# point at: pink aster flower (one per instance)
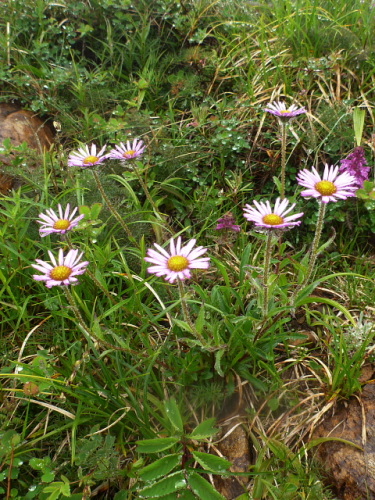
(355, 164)
(177, 263)
(279, 109)
(85, 157)
(63, 271)
(61, 223)
(128, 151)
(332, 186)
(265, 217)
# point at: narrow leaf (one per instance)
(204, 430)
(211, 463)
(155, 445)
(358, 123)
(160, 467)
(174, 415)
(168, 485)
(203, 488)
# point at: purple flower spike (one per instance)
(227, 222)
(355, 164)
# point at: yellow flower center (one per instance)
(90, 159)
(177, 263)
(60, 273)
(325, 188)
(285, 111)
(273, 219)
(61, 224)
(129, 153)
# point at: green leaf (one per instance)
(85, 210)
(160, 467)
(95, 210)
(358, 123)
(40, 463)
(204, 430)
(182, 495)
(155, 445)
(211, 463)
(218, 355)
(174, 415)
(168, 485)
(121, 495)
(200, 321)
(48, 476)
(203, 488)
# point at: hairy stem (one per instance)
(186, 312)
(283, 127)
(314, 246)
(112, 208)
(266, 273)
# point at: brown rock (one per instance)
(20, 125)
(235, 446)
(351, 469)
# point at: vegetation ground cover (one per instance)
(113, 388)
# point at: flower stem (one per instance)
(283, 127)
(112, 208)
(149, 197)
(314, 247)
(77, 313)
(186, 312)
(267, 260)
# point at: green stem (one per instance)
(77, 312)
(314, 247)
(111, 207)
(266, 273)
(283, 127)
(149, 197)
(186, 313)
(92, 275)
(145, 189)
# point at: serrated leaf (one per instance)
(173, 413)
(203, 488)
(155, 445)
(160, 467)
(204, 430)
(166, 486)
(211, 463)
